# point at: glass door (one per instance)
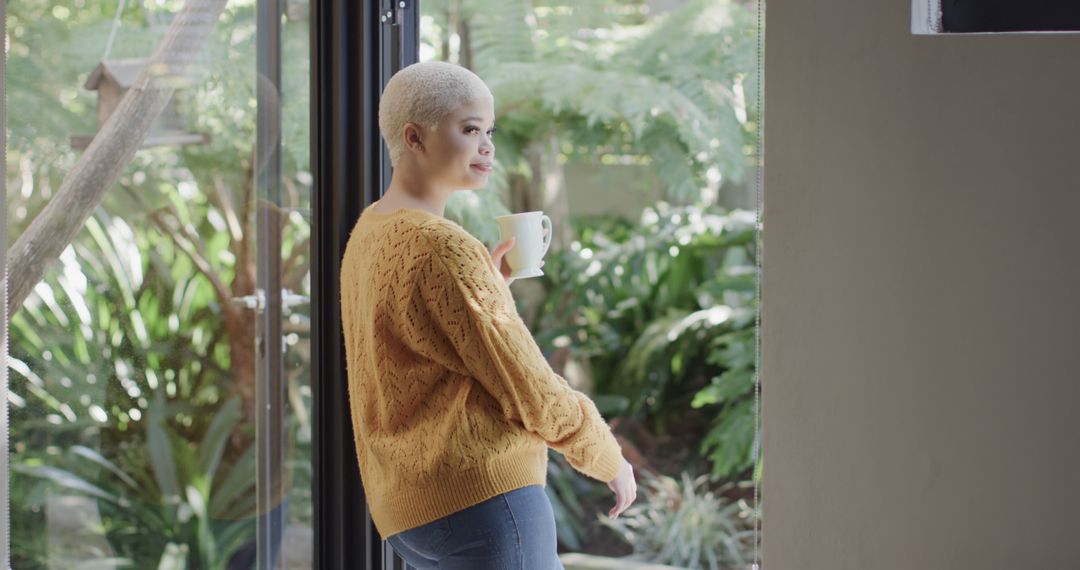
(158, 213)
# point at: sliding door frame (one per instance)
(355, 48)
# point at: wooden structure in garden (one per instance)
(111, 79)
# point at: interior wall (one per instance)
(921, 372)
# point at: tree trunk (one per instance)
(240, 322)
(466, 52)
(547, 188)
(111, 150)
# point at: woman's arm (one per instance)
(472, 305)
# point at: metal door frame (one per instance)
(355, 48)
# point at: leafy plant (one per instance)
(134, 310)
(680, 523)
(663, 313)
(101, 383)
(565, 489)
(165, 498)
(107, 329)
(667, 90)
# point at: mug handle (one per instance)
(545, 221)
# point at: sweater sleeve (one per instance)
(463, 292)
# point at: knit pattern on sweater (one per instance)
(452, 400)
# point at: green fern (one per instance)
(663, 310)
(608, 82)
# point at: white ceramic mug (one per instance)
(533, 233)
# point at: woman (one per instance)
(453, 404)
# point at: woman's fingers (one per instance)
(620, 506)
(500, 250)
(623, 498)
(625, 488)
(503, 247)
(498, 256)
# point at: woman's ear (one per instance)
(412, 137)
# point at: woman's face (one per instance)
(459, 152)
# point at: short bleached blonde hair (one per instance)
(424, 93)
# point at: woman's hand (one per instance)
(625, 488)
(498, 255)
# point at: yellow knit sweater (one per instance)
(452, 401)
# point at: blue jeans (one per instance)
(511, 531)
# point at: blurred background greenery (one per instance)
(630, 122)
(132, 362)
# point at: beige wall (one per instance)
(595, 189)
(921, 371)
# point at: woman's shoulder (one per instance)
(460, 253)
(447, 236)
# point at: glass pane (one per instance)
(632, 124)
(151, 157)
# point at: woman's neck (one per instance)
(405, 192)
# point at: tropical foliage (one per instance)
(680, 522)
(125, 371)
(659, 309)
(604, 83)
(663, 313)
(167, 505)
(127, 357)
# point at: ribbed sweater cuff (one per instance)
(607, 464)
